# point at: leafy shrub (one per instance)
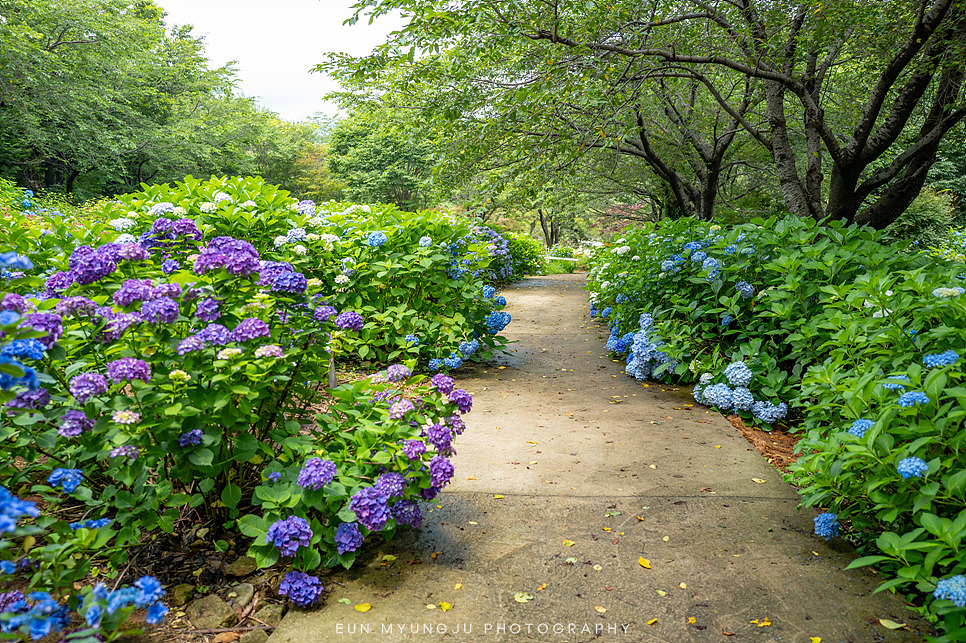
(174, 371)
(862, 342)
(528, 255)
(926, 221)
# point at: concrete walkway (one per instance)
(569, 473)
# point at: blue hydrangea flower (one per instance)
(149, 590)
(726, 320)
(317, 473)
(912, 467)
(699, 256)
(435, 364)
(952, 589)
(376, 239)
(698, 393)
(743, 399)
(452, 362)
(911, 398)
(827, 525)
(301, 588)
(738, 374)
(768, 412)
(156, 613)
(937, 360)
(425, 242)
(604, 313)
(289, 534)
(67, 479)
(719, 395)
(745, 289)
(896, 387)
(488, 292)
(412, 340)
(860, 426)
(499, 301)
(470, 347)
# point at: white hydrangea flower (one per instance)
(248, 204)
(636, 258)
(121, 224)
(179, 211)
(300, 250)
(207, 207)
(312, 237)
(280, 240)
(221, 196)
(341, 279)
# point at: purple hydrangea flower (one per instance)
(91, 266)
(128, 368)
(87, 385)
(236, 256)
(75, 306)
(51, 323)
(133, 290)
(317, 473)
(397, 372)
(289, 534)
(249, 329)
(440, 436)
(455, 422)
(36, 399)
(301, 588)
(161, 225)
(270, 350)
(126, 451)
(348, 537)
(293, 282)
(349, 320)
(160, 311)
(214, 334)
(275, 476)
(324, 313)
(413, 449)
(391, 483)
(406, 512)
(169, 266)
(73, 423)
(440, 470)
(133, 252)
(190, 345)
(398, 409)
(462, 400)
(370, 506)
(58, 283)
(429, 493)
(117, 325)
(14, 303)
(208, 309)
(443, 383)
(186, 228)
(269, 270)
(172, 290)
(192, 438)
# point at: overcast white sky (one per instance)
(276, 43)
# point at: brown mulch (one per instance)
(777, 446)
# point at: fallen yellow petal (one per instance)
(498, 496)
(652, 621)
(430, 606)
(388, 558)
(691, 620)
(363, 607)
(542, 587)
(758, 480)
(600, 609)
(568, 543)
(643, 562)
(661, 592)
(458, 586)
(683, 586)
(445, 607)
(815, 639)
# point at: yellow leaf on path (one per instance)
(758, 480)
(530, 442)
(652, 621)
(661, 592)
(435, 555)
(683, 586)
(815, 639)
(600, 609)
(471, 477)
(717, 446)
(473, 522)
(666, 538)
(597, 568)
(643, 562)
(653, 466)
(532, 462)
(458, 586)
(363, 607)
(892, 625)
(498, 496)
(522, 597)
(607, 529)
(388, 558)
(691, 620)
(542, 587)
(762, 623)
(568, 543)
(445, 607)
(430, 606)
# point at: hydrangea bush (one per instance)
(409, 274)
(858, 343)
(173, 370)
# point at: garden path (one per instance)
(565, 457)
